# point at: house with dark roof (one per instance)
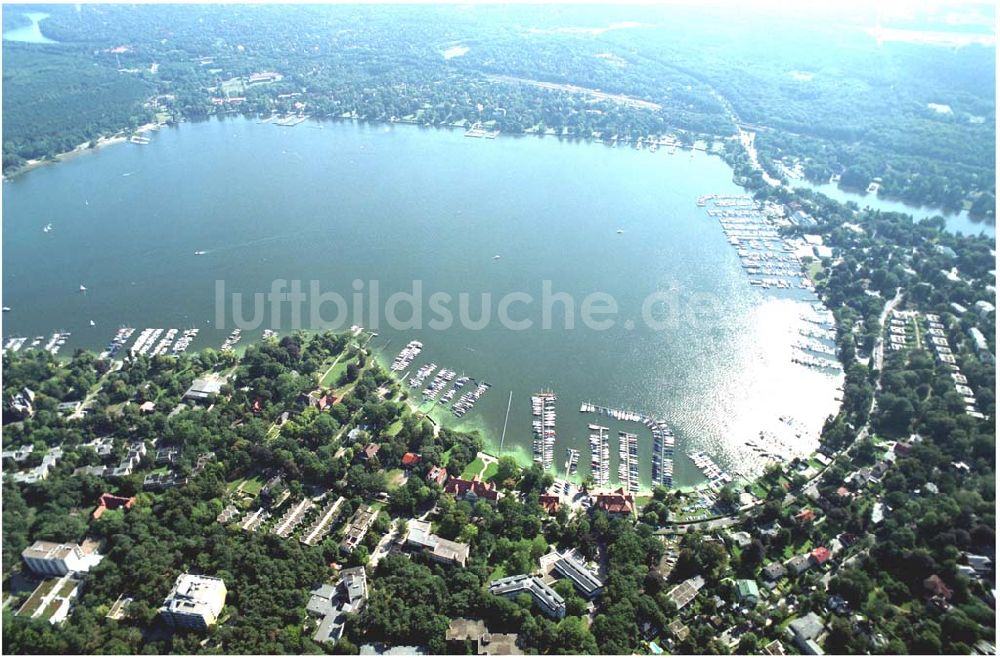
(616, 503)
(549, 503)
(774, 571)
(585, 580)
(472, 490)
(543, 596)
(798, 565)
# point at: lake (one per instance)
(344, 202)
(959, 222)
(29, 33)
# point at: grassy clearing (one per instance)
(491, 470)
(473, 469)
(394, 479)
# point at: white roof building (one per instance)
(194, 602)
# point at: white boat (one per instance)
(92, 323)
(6, 309)
(200, 253)
(83, 288)
(620, 231)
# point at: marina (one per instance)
(600, 455)
(572, 461)
(751, 228)
(466, 402)
(231, 341)
(662, 466)
(543, 428)
(437, 385)
(417, 380)
(455, 388)
(406, 356)
(716, 476)
(628, 461)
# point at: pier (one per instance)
(543, 427)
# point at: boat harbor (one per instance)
(769, 260)
(53, 345)
(572, 461)
(231, 341)
(662, 466)
(600, 455)
(628, 461)
(406, 356)
(543, 428)
(470, 389)
(716, 476)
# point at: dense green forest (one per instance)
(825, 94)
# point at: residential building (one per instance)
(437, 548)
(616, 503)
(804, 631)
(108, 501)
(820, 555)
(774, 571)
(549, 503)
(334, 602)
(473, 631)
(472, 490)
(194, 602)
(358, 527)
(543, 596)
(48, 558)
(437, 474)
(798, 565)
(748, 592)
(684, 593)
(51, 600)
(585, 580)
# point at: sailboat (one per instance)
(83, 288)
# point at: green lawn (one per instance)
(253, 485)
(491, 470)
(393, 478)
(335, 372)
(473, 469)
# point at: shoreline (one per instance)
(120, 137)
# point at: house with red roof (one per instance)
(549, 503)
(473, 489)
(437, 474)
(806, 516)
(936, 588)
(820, 555)
(616, 503)
(411, 459)
(109, 501)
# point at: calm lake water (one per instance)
(956, 222)
(339, 202)
(29, 33)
